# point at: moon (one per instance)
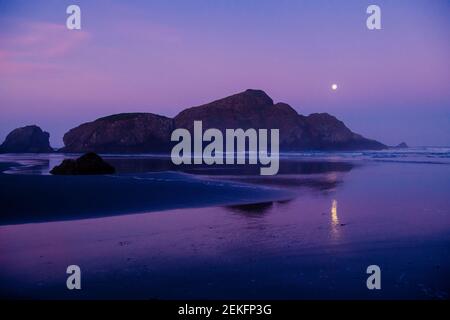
(334, 87)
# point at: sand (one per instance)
(38, 198)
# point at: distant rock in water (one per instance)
(146, 132)
(29, 139)
(90, 163)
(402, 145)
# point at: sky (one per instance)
(164, 56)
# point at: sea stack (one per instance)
(29, 139)
(121, 133)
(88, 164)
(402, 145)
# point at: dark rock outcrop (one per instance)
(90, 163)
(255, 109)
(121, 133)
(328, 133)
(146, 132)
(402, 145)
(29, 139)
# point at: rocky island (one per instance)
(29, 139)
(88, 164)
(149, 133)
(402, 145)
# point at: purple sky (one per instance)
(164, 56)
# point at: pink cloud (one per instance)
(34, 46)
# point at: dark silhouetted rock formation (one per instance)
(402, 145)
(255, 109)
(29, 139)
(90, 163)
(145, 132)
(121, 133)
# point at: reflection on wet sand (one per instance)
(334, 220)
(316, 175)
(318, 178)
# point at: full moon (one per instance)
(334, 87)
